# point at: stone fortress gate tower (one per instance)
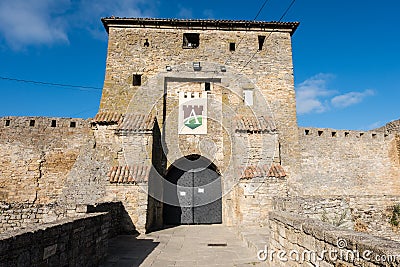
(197, 125)
(200, 118)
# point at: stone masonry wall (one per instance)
(332, 210)
(69, 242)
(338, 162)
(390, 127)
(86, 182)
(15, 216)
(372, 214)
(248, 201)
(126, 149)
(301, 241)
(368, 214)
(134, 199)
(36, 154)
(21, 215)
(255, 149)
(254, 199)
(398, 145)
(270, 71)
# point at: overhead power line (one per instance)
(79, 87)
(86, 88)
(287, 10)
(259, 11)
(281, 18)
(241, 39)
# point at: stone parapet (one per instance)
(298, 241)
(69, 242)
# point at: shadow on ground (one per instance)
(185, 245)
(128, 250)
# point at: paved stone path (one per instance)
(186, 245)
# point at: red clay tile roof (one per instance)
(253, 124)
(107, 118)
(129, 174)
(275, 170)
(136, 123)
(127, 122)
(202, 24)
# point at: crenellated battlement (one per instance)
(346, 162)
(164, 79)
(344, 134)
(38, 152)
(42, 123)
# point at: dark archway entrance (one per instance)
(192, 194)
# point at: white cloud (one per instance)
(351, 98)
(313, 95)
(45, 22)
(88, 13)
(310, 94)
(32, 22)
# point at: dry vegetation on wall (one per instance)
(395, 218)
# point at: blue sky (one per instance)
(346, 54)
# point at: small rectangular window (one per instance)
(320, 133)
(53, 123)
(72, 124)
(32, 123)
(207, 86)
(248, 97)
(333, 134)
(232, 46)
(307, 132)
(346, 134)
(8, 122)
(137, 80)
(191, 40)
(261, 40)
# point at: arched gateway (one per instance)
(193, 192)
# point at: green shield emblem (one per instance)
(193, 122)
